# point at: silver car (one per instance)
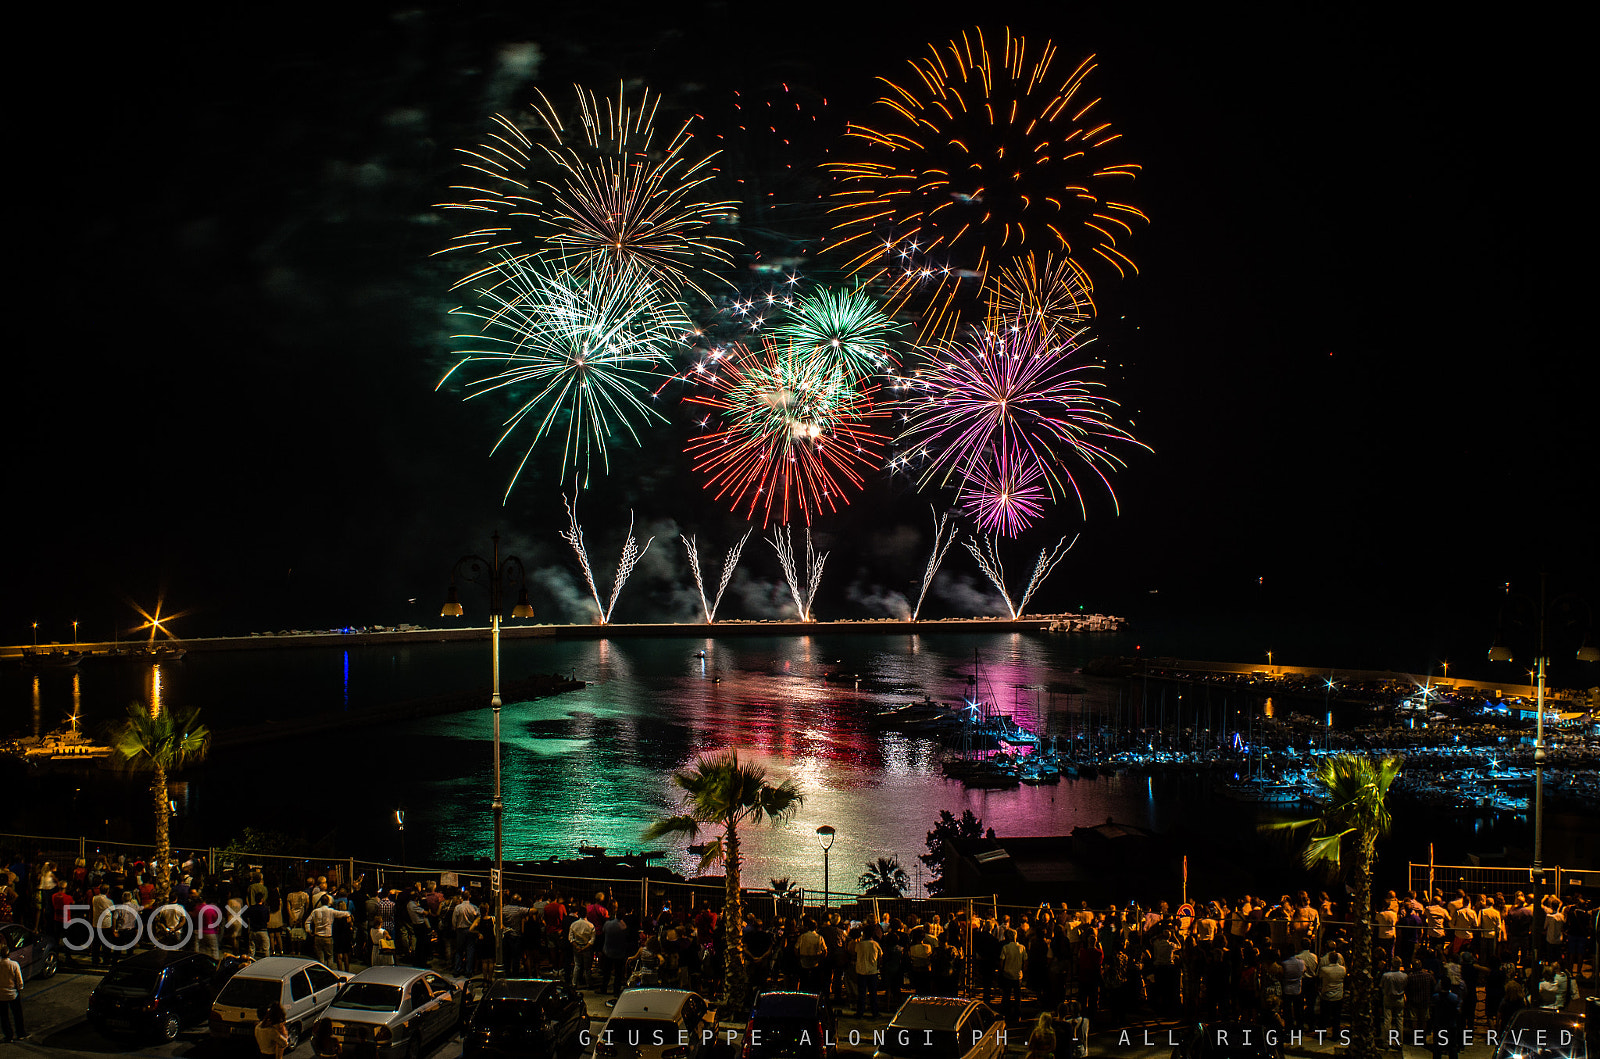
(657, 1024)
(391, 1011)
(305, 988)
(35, 953)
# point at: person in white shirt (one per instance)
(1332, 975)
(319, 924)
(462, 917)
(100, 920)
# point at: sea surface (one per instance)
(593, 767)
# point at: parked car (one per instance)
(790, 1026)
(305, 988)
(528, 1018)
(391, 1011)
(157, 993)
(1228, 1040)
(656, 1024)
(34, 952)
(933, 1027)
(1545, 1034)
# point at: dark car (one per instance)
(1229, 1040)
(790, 1026)
(157, 993)
(34, 952)
(1538, 1033)
(530, 1018)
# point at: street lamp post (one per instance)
(36, 634)
(493, 574)
(825, 835)
(1500, 653)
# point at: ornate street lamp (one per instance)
(825, 835)
(494, 574)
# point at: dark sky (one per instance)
(1349, 344)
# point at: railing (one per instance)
(1479, 879)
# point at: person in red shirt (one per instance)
(147, 894)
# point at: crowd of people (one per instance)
(1474, 959)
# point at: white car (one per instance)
(304, 987)
(938, 1027)
(657, 1024)
(391, 1011)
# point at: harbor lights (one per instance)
(825, 835)
(1516, 614)
(495, 574)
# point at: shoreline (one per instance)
(102, 651)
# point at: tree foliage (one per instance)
(1355, 807)
(161, 741)
(947, 828)
(721, 793)
(884, 877)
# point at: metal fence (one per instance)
(1480, 879)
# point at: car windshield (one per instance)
(368, 996)
(131, 981)
(503, 1011)
(922, 1044)
(251, 993)
(777, 1037)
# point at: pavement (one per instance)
(54, 1009)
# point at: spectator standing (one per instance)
(11, 1023)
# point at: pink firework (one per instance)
(1004, 499)
(1013, 397)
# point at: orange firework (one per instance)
(972, 164)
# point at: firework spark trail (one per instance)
(625, 198)
(588, 350)
(1055, 293)
(840, 330)
(1004, 496)
(941, 544)
(573, 535)
(783, 544)
(987, 551)
(973, 161)
(792, 441)
(1041, 569)
(1010, 397)
(728, 565)
(631, 554)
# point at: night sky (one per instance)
(1348, 346)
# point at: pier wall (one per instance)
(271, 641)
(1499, 689)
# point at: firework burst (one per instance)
(975, 160)
(580, 353)
(1055, 293)
(608, 195)
(840, 330)
(792, 441)
(1004, 497)
(989, 408)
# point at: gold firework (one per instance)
(973, 163)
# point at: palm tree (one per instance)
(161, 741)
(721, 793)
(884, 877)
(1357, 790)
(787, 894)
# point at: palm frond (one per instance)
(679, 826)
